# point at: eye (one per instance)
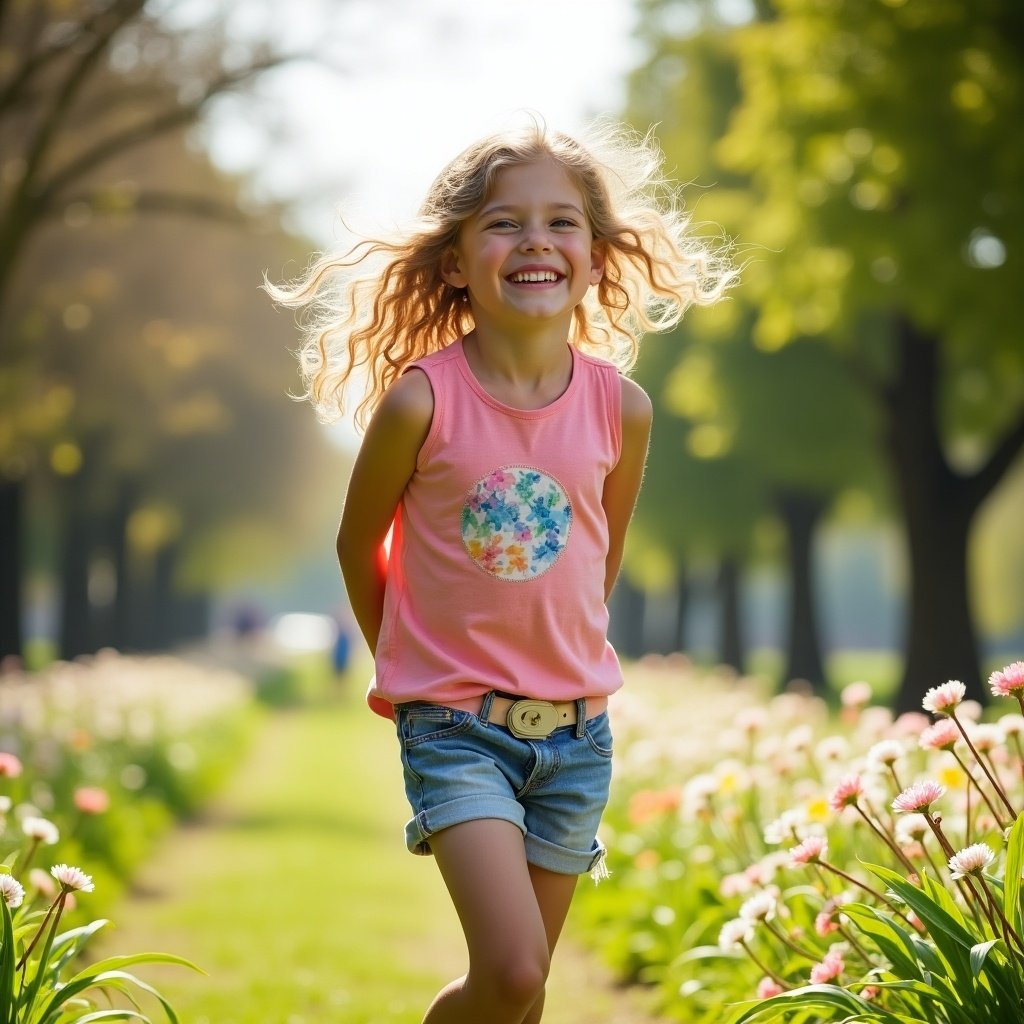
(564, 222)
(503, 224)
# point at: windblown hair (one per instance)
(371, 311)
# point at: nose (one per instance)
(536, 239)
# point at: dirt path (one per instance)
(296, 882)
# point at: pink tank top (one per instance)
(497, 563)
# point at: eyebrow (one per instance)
(488, 211)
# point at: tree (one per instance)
(790, 429)
(66, 116)
(882, 142)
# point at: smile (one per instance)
(534, 277)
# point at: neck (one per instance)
(527, 373)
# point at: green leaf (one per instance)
(820, 997)
(978, 955)
(892, 941)
(7, 965)
(120, 980)
(115, 963)
(1012, 875)
(113, 1015)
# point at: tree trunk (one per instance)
(682, 608)
(12, 494)
(731, 646)
(121, 626)
(800, 514)
(938, 506)
(630, 605)
(76, 626)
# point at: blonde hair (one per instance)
(383, 304)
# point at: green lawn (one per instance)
(296, 895)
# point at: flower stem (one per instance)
(786, 940)
(884, 836)
(984, 768)
(764, 967)
(978, 787)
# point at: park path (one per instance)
(295, 893)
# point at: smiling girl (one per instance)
(504, 455)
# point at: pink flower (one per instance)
(10, 766)
(824, 924)
(1009, 682)
(918, 797)
(943, 735)
(971, 860)
(847, 792)
(810, 851)
(735, 933)
(11, 891)
(768, 987)
(91, 799)
(943, 700)
(72, 879)
(855, 695)
(830, 968)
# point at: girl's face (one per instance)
(528, 255)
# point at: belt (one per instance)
(532, 719)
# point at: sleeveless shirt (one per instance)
(496, 568)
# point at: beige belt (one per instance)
(532, 719)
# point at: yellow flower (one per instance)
(817, 809)
(952, 777)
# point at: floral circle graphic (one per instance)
(515, 522)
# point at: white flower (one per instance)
(41, 830)
(734, 933)
(786, 826)
(885, 753)
(72, 878)
(760, 907)
(11, 891)
(971, 860)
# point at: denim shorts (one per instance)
(459, 767)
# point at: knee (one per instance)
(519, 981)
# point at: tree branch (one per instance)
(166, 121)
(984, 481)
(179, 204)
(38, 60)
(66, 94)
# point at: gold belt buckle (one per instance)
(532, 719)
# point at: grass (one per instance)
(296, 895)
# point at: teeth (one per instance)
(534, 275)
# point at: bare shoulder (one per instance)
(410, 399)
(636, 404)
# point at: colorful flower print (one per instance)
(515, 522)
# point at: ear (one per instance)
(450, 270)
(597, 262)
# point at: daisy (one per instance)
(1008, 682)
(918, 797)
(944, 699)
(72, 879)
(971, 860)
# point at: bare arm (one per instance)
(386, 461)
(622, 484)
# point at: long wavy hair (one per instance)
(369, 312)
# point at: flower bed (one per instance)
(773, 862)
(112, 750)
(96, 759)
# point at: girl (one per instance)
(504, 455)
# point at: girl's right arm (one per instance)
(386, 461)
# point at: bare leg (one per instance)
(483, 864)
(554, 894)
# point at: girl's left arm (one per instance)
(622, 485)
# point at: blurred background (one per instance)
(835, 476)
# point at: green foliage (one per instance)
(716, 882)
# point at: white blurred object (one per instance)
(303, 631)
